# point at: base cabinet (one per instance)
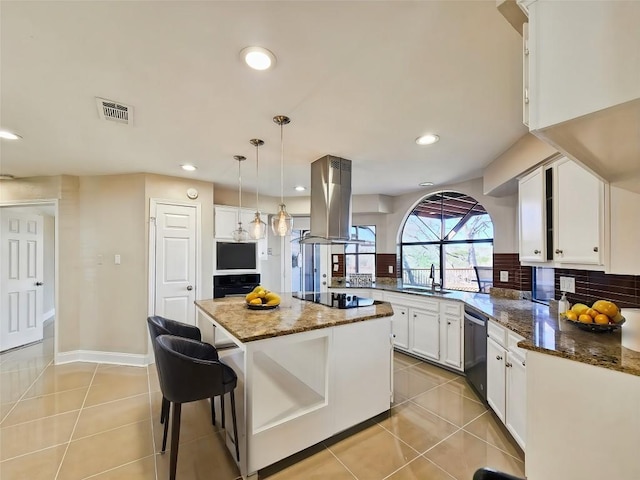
(507, 380)
(428, 328)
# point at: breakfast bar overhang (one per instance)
(305, 373)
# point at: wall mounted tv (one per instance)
(235, 256)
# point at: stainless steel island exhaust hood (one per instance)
(330, 201)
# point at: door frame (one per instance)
(48, 202)
(153, 204)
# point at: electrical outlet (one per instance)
(504, 275)
(390, 268)
(568, 284)
(116, 259)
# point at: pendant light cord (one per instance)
(281, 164)
(257, 176)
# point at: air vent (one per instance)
(114, 111)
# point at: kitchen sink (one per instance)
(426, 290)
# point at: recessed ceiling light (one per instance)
(7, 135)
(427, 139)
(258, 58)
(426, 184)
(300, 188)
(188, 167)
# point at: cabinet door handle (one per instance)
(508, 364)
(498, 357)
(595, 249)
(526, 95)
(448, 323)
(558, 251)
(536, 252)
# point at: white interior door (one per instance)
(175, 260)
(22, 266)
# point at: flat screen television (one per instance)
(235, 256)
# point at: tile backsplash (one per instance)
(624, 290)
(520, 277)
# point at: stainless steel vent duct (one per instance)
(330, 201)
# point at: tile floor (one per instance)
(82, 420)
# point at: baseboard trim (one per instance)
(46, 316)
(92, 356)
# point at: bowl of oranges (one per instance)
(602, 316)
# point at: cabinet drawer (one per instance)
(498, 333)
(512, 344)
(452, 308)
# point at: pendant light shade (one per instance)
(240, 234)
(282, 223)
(257, 228)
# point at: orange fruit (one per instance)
(573, 316)
(591, 312)
(610, 309)
(585, 318)
(601, 318)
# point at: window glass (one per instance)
(454, 233)
(360, 257)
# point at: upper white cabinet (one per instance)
(561, 209)
(579, 207)
(226, 220)
(582, 57)
(532, 217)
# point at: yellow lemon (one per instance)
(250, 296)
(573, 316)
(256, 301)
(579, 308)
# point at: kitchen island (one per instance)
(305, 373)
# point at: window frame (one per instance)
(356, 255)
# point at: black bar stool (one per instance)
(490, 474)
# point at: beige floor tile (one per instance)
(198, 459)
(462, 454)
(416, 426)
(449, 405)
(143, 469)
(15, 383)
(488, 428)
(421, 469)
(111, 415)
(58, 378)
(42, 465)
(110, 373)
(154, 384)
(437, 374)
(195, 420)
(400, 360)
(45, 406)
(409, 383)
(111, 385)
(104, 451)
(36, 435)
(5, 408)
(461, 387)
(37, 363)
(373, 453)
(320, 466)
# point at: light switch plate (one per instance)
(504, 275)
(568, 284)
(390, 268)
(116, 259)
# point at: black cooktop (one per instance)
(336, 300)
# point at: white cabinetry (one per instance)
(579, 207)
(561, 215)
(507, 380)
(225, 221)
(428, 328)
(583, 57)
(531, 210)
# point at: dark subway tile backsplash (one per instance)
(519, 276)
(624, 290)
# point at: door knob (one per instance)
(39, 284)
(189, 287)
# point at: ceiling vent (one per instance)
(114, 111)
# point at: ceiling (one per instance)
(359, 80)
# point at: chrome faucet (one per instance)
(432, 274)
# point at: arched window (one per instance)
(454, 233)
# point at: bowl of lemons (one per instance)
(262, 299)
(602, 316)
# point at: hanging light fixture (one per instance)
(257, 228)
(240, 234)
(282, 223)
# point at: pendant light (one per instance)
(257, 228)
(282, 223)
(240, 234)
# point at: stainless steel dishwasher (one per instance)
(475, 350)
